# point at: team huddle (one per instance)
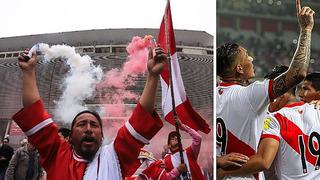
(263, 130)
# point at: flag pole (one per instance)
(185, 175)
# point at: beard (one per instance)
(89, 153)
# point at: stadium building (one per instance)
(108, 48)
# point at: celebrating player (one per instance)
(240, 107)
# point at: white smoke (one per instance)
(79, 84)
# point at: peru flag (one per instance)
(185, 112)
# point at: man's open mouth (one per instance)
(88, 140)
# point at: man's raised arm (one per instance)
(299, 65)
(30, 92)
(143, 123)
(156, 63)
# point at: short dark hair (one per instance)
(65, 132)
(314, 78)
(94, 113)
(277, 71)
(226, 55)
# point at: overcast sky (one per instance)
(25, 17)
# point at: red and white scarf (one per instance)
(105, 165)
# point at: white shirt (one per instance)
(292, 127)
(241, 109)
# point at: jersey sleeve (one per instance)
(37, 124)
(271, 128)
(259, 94)
(196, 140)
(131, 137)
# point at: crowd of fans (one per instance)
(23, 163)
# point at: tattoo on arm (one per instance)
(298, 67)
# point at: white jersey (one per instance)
(297, 129)
(240, 113)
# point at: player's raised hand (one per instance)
(305, 16)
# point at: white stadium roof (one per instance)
(101, 37)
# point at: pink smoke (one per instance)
(113, 90)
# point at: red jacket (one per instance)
(58, 157)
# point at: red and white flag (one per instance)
(185, 112)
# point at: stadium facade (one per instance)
(107, 48)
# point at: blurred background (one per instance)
(268, 29)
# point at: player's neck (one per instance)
(236, 81)
(292, 101)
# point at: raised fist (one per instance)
(157, 61)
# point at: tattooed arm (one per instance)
(299, 65)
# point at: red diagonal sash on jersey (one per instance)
(185, 112)
(290, 132)
(237, 145)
